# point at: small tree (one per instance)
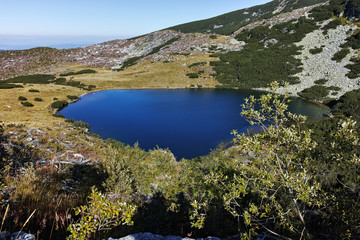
(100, 214)
(273, 189)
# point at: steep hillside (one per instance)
(230, 22)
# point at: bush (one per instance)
(59, 104)
(72, 97)
(353, 41)
(321, 81)
(321, 13)
(9, 86)
(348, 104)
(38, 99)
(213, 36)
(33, 90)
(81, 124)
(340, 55)
(314, 93)
(69, 120)
(316, 50)
(21, 98)
(58, 115)
(331, 25)
(197, 64)
(334, 88)
(35, 79)
(60, 81)
(354, 68)
(192, 75)
(27, 104)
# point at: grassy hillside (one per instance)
(228, 23)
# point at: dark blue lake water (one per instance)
(189, 122)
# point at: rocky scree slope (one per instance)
(321, 65)
(112, 53)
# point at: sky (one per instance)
(62, 23)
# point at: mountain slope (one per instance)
(228, 23)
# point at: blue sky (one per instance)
(62, 22)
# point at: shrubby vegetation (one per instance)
(72, 97)
(35, 79)
(192, 75)
(27, 104)
(33, 90)
(316, 50)
(59, 104)
(46, 79)
(9, 86)
(232, 21)
(291, 180)
(84, 71)
(354, 68)
(21, 98)
(340, 55)
(321, 81)
(257, 65)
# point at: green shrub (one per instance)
(59, 104)
(72, 97)
(85, 71)
(321, 13)
(58, 115)
(35, 79)
(321, 81)
(21, 98)
(60, 81)
(314, 93)
(27, 104)
(316, 50)
(197, 64)
(69, 120)
(354, 68)
(9, 86)
(353, 41)
(348, 104)
(33, 90)
(334, 88)
(192, 75)
(340, 55)
(213, 36)
(81, 124)
(38, 99)
(331, 25)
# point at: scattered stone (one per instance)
(150, 236)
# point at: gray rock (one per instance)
(22, 236)
(4, 235)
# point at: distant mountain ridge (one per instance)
(227, 23)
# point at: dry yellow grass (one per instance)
(150, 75)
(40, 115)
(143, 75)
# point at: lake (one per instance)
(190, 122)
